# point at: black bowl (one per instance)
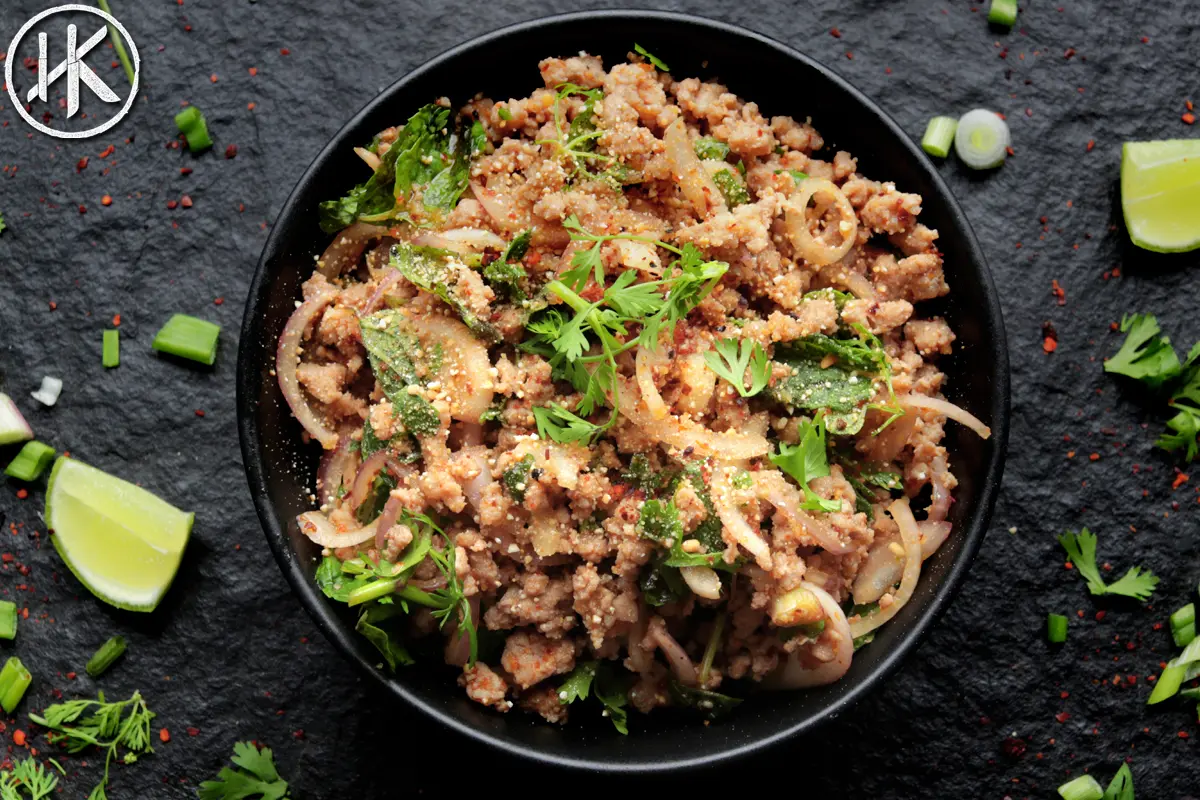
(504, 64)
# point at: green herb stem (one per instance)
(106, 656)
(710, 651)
(118, 44)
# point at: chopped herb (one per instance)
(377, 497)
(711, 705)
(255, 778)
(516, 478)
(188, 337)
(1081, 549)
(8, 620)
(370, 444)
(504, 114)
(660, 522)
(506, 273)
(449, 184)
(392, 350)
(645, 54)
(192, 125)
(1145, 355)
(30, 462)
(864, 640)
(1186, 399)
(109, 726)
(576, 142)
(807, 461)
(593, 678)
(432, 272)
(662, 584)
(384, 640)
(1183, 625)
(731, 359)
(732, 189)
(578, 684)
(1121, 787)
(708, 148)
(742, 480)
(1082, 788)
(642, 476)
(106, 656)
(1056, 628)
(110, 354)
(27, 775)
(1001, 12)
(493, 412)
(939, 136)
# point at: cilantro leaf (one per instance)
(515, 479)
(711, 705)
(1081, 549)
(731, 360)
(383, 639)
(1186, 400)
(560, 425)
(256, 777)
(661, 522)
(806, 461)
(1145, 355)
(578, 684)
(610, 689)
(637, 48)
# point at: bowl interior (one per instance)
(503, 65)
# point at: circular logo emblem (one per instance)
(72, 69)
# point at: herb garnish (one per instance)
(806, 461)
(732, 358)
(27, 775)
(506, 273)
(255, 777)
(644, 53)
(708, 148)
(1081, 549)
(596, 678)
(576, 142)
(392, 351)
(1145, 355)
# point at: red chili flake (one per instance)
(1060, 294)
(1145, 40)
(193, 731)
(213, 77)
(1049, 345)
(1029, 112)
(1188, 103)
(7, 558)
(1091, 144)
(1062, 716)
(19, 738)
(53, 305)
(1070, 204)
(835, 33)
(82, 209)
(185, 170)
(82, 165)
(1100, 615)
(1049, 337)
(285, 52)
(299, 734)
(1180, 479)
(253, 70)
(1094, 457)
(218, 301)
(164, 735)
(22, 494)
(887, 70)
(250, 106)
(1183, 734)
(849, 55)
(1064, 695)
(106, 152)
(1013, 747)
(70, 676)
(106, 200)
(199, 412)
(231, 151)
(1189, 118)
(1070, 52)
(1070, 454)
(1010, 151)
(172, 204)
(186, 201)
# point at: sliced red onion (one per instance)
(287, 359)
(316, 526)
(336, 468)
(461, 240)
(793, 674)
(933, 536)
(678, 658)
(497, 208)
(386, 285)
(939, 506)
(365, 478)
(347, 248)
(945, 407)
(391, 511)
(13, 427)
(49, 391)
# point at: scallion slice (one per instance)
(8, 620)
(1056, 628)
(1168, 684)
(111, 353)
(13, 427)
(1003, 12)
(982, 139)
(14, 680)
(939, 135)
(1082, 788)
(1183, 625)
(194, 127)
(188, 337)
(30, 462)
(47, 394)
(103, 658)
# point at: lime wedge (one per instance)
(1160, 194)
(121, 542)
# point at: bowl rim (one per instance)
(340, 635)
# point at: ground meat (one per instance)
(544, 701)
(930, 336)
(606, 605)
(913, 278)
(877, 317)
(537, 601)
(531, 657)
(484, 686)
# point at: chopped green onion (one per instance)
(649, 57)
(14, 680)
(1003, 12)
(503, 113)
(188, 337)
(939, 135)
(982, 139)
(1168, 684)
(1082, 788)
(1183, 625)
(8, 620)
(710, 148)
(1056, 628)
(111, 354)
(13, 427)
(30, 462)
(103, 658)
(117, 43)
(192, 125)
(371, 591)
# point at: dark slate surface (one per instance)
(231, 655)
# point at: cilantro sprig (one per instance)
(807, 461)
(27, 776)
(731, 359)
(110, 727)
(593, 678)
(255, 777)
(576, 141)
(1138, 583)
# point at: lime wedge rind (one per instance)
(121, 542)
(1160, 194)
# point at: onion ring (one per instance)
(317, 527)
(948, 409)
(819, 251)
(911, 537)
(287, 359)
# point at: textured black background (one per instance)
(231, 655)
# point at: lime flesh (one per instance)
(1160, 194)
(121, 542)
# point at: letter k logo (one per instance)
(75, 70)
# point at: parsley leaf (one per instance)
(578, 684)
(255, 777)
(1081, 549)
(27, 776)
(637, 48)
(1186, 399)
(806, 461)
(610, 689)
(576, 142)
(731, 360)
(1145, 355)
(107, 726)
(558, 424)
